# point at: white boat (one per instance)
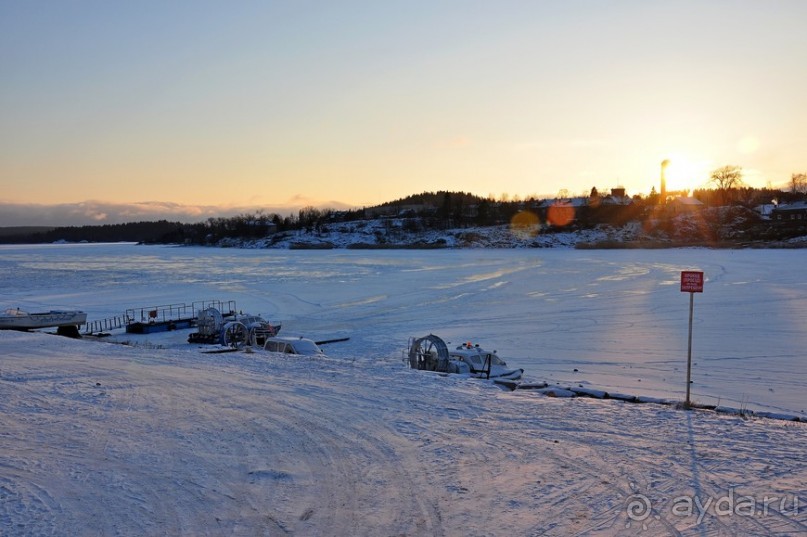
(431, 353)
(17, 319)
(481, 363)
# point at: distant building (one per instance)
(765, 210)
(262, 225)
(684, 204)
(617, 197)
(791, 212)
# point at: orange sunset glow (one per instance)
(279, 106)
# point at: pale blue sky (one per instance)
(282, 104)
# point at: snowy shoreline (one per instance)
(559, 390)
(393, 234)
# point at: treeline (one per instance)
(165, 232)
(428, 210)
(745, 196)
(156, 232)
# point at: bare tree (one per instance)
(727, 177)
(798, 183)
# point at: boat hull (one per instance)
(50, 319)
(509, 374)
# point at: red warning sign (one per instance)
(691, 281)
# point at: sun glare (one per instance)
(685, 174)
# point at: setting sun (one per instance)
(685, 173)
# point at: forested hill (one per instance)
(730, 217)
(15, 231)
(160, 231)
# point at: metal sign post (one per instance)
(691, 282)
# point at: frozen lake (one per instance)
(612, 319)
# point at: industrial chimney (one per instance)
(663, 194)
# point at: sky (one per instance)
(114, 110)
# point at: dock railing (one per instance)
(160, 314)
(103, 325)
(177, 312)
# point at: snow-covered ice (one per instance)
(158, 438)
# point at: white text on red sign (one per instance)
(691, 281)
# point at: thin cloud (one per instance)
(95, 212)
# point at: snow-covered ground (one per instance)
(159, 438)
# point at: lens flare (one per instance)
(525, 224)
(560, 214)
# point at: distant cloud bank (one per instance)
(100, 213)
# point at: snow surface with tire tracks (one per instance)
(156, 437)
(106, 439)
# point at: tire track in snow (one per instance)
(361, 472)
